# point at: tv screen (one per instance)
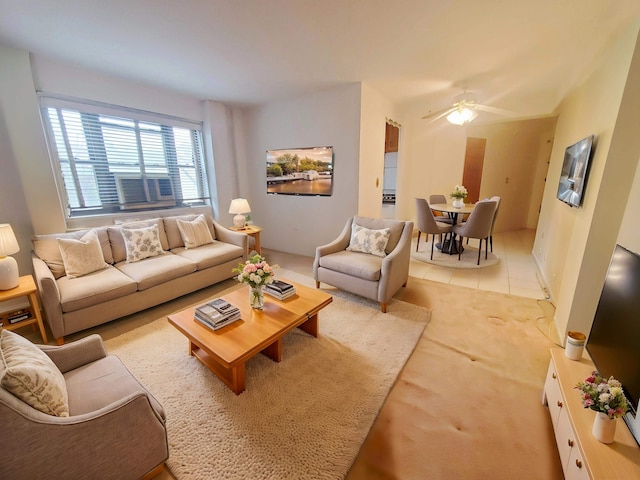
(574, 172)
(300, 171)
(614, 341)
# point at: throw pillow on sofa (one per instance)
(195, 232)
(82, 256)
(29, 374)
(141, 243)
(369, 241)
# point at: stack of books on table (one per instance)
(280, 289)
(217, 313)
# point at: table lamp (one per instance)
(239, 206)
(8, 266)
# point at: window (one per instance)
(109, 159)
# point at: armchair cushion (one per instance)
(366, 240)
(29, 374)
(360, 265)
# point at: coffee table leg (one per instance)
(274, 351)
(311, 325)
(233, 377)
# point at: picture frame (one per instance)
(300, 171)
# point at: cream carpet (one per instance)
(303, 418)
(468, 259)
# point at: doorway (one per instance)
(390, 174)
(473, 164)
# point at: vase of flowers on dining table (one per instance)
(458, 195)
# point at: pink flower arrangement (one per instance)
(256, 272)
(603, 395)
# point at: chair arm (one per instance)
(49, 295)
(76, 354)
(395, 266)
(339, 244)
(124, 440)
(229, 236)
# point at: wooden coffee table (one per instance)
(226, 350)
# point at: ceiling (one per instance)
(522, 55)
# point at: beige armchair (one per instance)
(115, 428)
(368, 275)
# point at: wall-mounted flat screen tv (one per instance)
(574, 172)
(300, 171)
(614, 341)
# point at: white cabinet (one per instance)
(581, 455)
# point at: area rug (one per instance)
(468, 259)
(304, 418)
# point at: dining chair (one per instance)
(496, 199)
(477, 226)
(427, 223)
(441, 217)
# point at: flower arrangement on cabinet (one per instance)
(255, 272)
(603, 395)
(459, 192)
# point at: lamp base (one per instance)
(9, 277)
(239, 220)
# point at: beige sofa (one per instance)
(122, 288)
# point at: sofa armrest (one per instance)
(229, 236)
(76, 354)
(49, 295)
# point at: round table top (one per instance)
(447, 207)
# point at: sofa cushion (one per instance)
(46, 248)
(142, 242)
(210, 255)
(173, 233)
(361, 265)
(370, 241)
(29, 374)
(396, 227)
(195, 232)
(94, 288)
(82, 256)
(100, 383)
(153, 271)
(117, 241)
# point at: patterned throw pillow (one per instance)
(141, 243)
(195, 232)
(368, 241)
(29, 374)
(82, 256)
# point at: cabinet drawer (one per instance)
(576, 469)
(553, 396)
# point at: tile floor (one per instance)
(514, 274)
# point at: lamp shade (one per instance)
(462, 115)
(9, 277)
(8, 243)
(239, 206)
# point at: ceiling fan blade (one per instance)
(439, 114)
(497, 111)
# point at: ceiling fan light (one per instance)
(462, 115)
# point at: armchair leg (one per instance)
(383, 307)
(154, 473)
(317, 283)
(60, 341)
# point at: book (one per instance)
(219, 325)
(217, 312)
(278, 294)
(19, 318)
(280, 286)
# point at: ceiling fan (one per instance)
(465, 109)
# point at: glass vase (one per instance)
(458, 203)
(256, 297)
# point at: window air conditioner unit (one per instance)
(144, 191)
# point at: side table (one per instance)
(252, 231)
(26, 288)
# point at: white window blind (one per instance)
(109, 159)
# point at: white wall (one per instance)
(515, 167)
(573, 246)
(298, 224)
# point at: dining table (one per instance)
(450, 246)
